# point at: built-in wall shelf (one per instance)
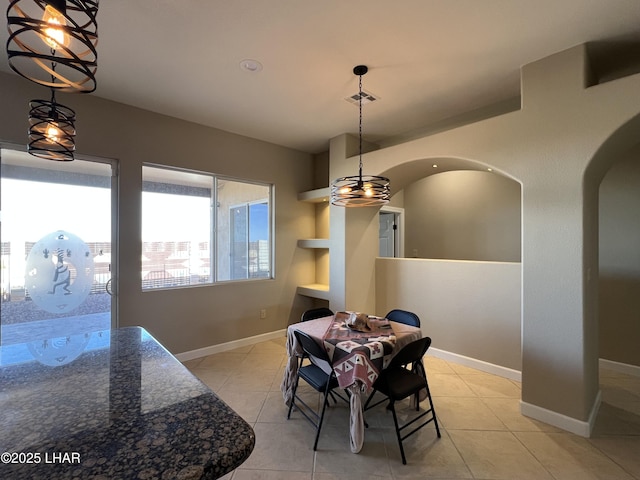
(320, 244)
(313, 243)
(315, 196)
(314, 290)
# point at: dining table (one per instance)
(357, 357)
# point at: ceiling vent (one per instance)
(366, 98)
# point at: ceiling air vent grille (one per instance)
(367, 97)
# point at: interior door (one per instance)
(387, 234)
(56, 264)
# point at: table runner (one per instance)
(357, 357)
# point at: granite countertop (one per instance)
(126, 409)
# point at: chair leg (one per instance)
(370, 397)
(433, 410)
(366, 403)
(419, 366)
(324, 407)
(395, 422)
(293, 397)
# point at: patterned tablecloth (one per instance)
(357, 357)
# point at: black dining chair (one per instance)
(312, 315)
(408, 318)
(317, 378)
(397, 382)
(316, 313)
(403, 316)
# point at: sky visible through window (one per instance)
(259, 222)
(33, 209)
(168, 217)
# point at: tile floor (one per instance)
(483, 434)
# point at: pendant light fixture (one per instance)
(360, 190)
(53, 43)
(51, 130)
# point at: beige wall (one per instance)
(557, 146)
(463, 215)
(619, 280)
(468, 308)
(190, 318)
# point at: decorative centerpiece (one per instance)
(355, 321)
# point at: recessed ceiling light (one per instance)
(435, 165)
(252, 66)
(489, 169)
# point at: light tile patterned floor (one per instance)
(484, 436)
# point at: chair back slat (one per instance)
(316, 313)
(403, 316)
(311, 347)
(411, 352)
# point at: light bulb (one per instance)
(54, 35)
(53, 133)
(345, 190)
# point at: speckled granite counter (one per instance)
(126, 410)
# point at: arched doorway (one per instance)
(457, 272)
(612, 191)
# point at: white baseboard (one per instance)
(225, 347)
(620, 367)
(477, 364)
(556, 419)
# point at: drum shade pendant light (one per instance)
(51, 130)
(360, 190)
(53, 43)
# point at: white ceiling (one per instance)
(429, 60)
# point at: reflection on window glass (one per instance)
(179, 247)
(243, 239)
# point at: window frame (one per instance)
(214, 241)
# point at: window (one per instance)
(199, 228)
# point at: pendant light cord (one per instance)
(360, 190)
(360, 123)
